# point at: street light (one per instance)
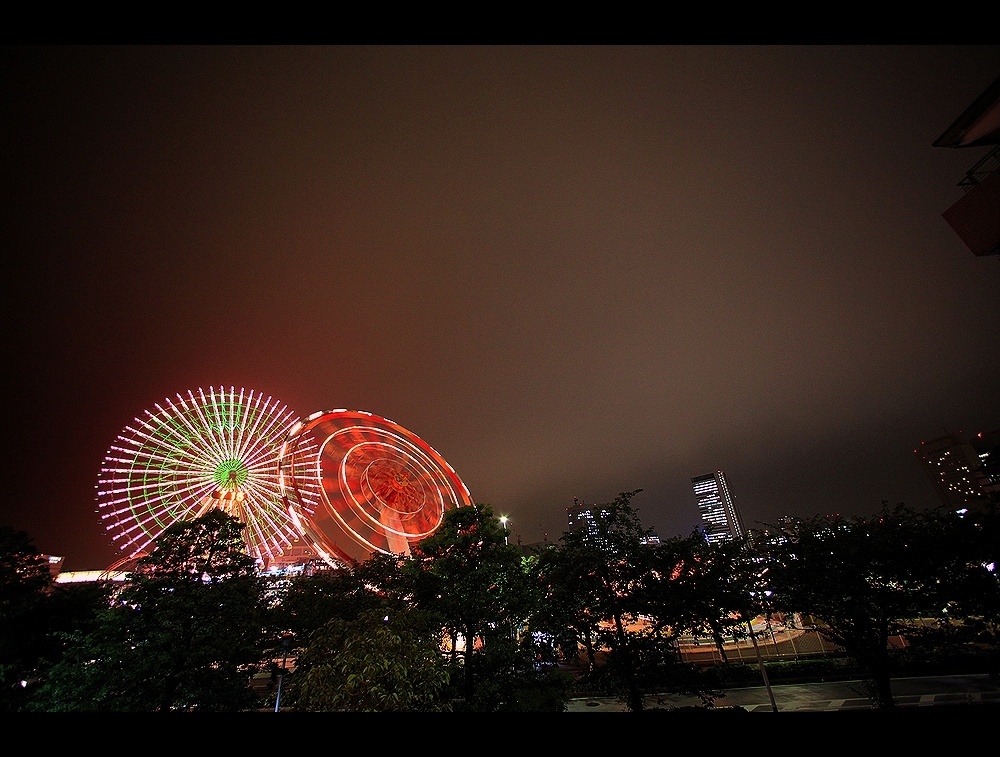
(760, 664)
(503, 521)
(285, 640)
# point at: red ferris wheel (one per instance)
(382, 488)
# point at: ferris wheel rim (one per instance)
(192, 452)
(458, 493)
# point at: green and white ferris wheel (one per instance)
(203, 450)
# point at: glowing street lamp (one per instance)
(503, 521)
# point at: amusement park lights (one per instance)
(348, 482)
(383, 488)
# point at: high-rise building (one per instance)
(582, 517)
(579, 516)
(964, 471)
(720, 518)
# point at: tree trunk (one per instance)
(468, 680)
(720, 643)
(589, 644)
(870, 650)
(881, 673)
(169, 693)
(634, 697)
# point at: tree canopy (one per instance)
(470, 623)
(372, 663)
(25, 583)
(864, 578)
(468, 577)
(608, 588)
(185, 632)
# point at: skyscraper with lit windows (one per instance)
(583, 517)
(720, 518)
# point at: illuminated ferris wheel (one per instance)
(214, 449)
(382, 488)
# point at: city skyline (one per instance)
(572, 271)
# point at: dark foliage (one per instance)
(25, 585)
(478, 588)
(869, 578)
(187, 631)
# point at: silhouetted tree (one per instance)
(25, 584)
(705, 588)
(186, 631)
(864, 578)
(965, 550)
(309, 602)
(969, 582)
(478, 588)
(592, 587)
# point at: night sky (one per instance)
(573, 271)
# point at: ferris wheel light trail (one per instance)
(381, 487)
(214, 449)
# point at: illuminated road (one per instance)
(833, 696)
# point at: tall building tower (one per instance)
(721, 519)
(964, 472)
